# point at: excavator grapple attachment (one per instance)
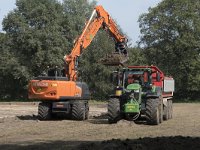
(114, 59)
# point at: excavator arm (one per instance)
(99, 18)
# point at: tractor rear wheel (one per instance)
(44, 111)
(152, 111)
(78, 110)
(114, 110)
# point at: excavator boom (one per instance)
(99, 18)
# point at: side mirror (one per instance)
(158, 76)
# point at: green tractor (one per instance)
(142, 91)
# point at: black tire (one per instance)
(86, 111)
(161, 110)
(78, 111)
(152, 111)
(166, 112)
(170, 109)
(114, 110)
(44, 111)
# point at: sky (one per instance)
(125, 12)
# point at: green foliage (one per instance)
(170, 39)
(76, 13)
(38, 34)
(34, 40)
(136, 57)
(35, 30)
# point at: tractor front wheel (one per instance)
(114, 110)
(152, 111)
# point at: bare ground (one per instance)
(20, 129)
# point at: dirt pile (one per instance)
(158, 143)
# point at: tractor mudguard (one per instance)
(152, 95)
(155, 94)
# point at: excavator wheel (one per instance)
(44, 111)
(78, 111)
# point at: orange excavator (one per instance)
(60, 91)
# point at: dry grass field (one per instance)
(20, 129)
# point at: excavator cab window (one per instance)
(53, 72)
(56, 72)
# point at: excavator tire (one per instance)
(44, 111)
(78, 111)
(114, 110)
(152, 111)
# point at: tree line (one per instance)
(38, 33)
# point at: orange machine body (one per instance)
(54, 90)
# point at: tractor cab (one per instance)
(140, 76)
(132, 78)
